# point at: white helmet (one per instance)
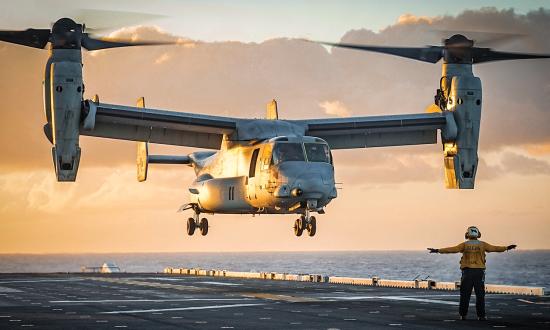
(472, 232)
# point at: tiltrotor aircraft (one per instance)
(259, 166)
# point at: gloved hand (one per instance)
(432, 250)
(511, 247)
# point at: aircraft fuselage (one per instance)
(280, 175)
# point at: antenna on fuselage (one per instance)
(272, 113)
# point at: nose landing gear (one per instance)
(311, 226)
(194, 223)
(203, 226)
(298, 227)
(305, 222)
(190, 226)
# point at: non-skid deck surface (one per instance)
(158, 301)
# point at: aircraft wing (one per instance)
(155, 126)
(376, 131)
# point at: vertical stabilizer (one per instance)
(272, 113)
(142, 152)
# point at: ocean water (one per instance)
(515, 267)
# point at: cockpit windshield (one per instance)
(317, 152)
(284, 152)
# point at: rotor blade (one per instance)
(480, 55)
(37, 38)
(96, 44)
(482, 38)
(430, 54)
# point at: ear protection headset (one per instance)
(472, 232)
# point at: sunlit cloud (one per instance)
(538, 149)
(162, 58)
(413, 19)
(108, 208)
(335, 108)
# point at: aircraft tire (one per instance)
(203, 226)
(298, 227)
(302, 223)
(190, 226)
(312, 226)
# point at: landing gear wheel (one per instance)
(312, 226)
(298, 228)
(190, 226)
(203, 226)
(303, 223)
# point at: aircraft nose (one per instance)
(310, 185)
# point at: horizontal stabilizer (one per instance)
(166, 159)
(144, 159)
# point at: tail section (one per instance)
(144, 159)
(272, 113)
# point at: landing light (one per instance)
(296, 192)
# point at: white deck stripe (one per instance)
(533, 302)
(180, 309)
(399, 298)
(145, 300)
(381, 297)
(219, 283)
(38, 281)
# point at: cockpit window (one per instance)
(317, 152)
(284, 152)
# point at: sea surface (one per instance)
(516, 267)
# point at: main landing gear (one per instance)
(305, 222)
(194, 223)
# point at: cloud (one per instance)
(375, 167)
(520, 164)
(143, 33)
(162, 58)
(538, 149)
(104, 187)
(413, 19)
(106, 209)
(335, 108)
(237, 79)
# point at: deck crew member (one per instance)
(472, 265)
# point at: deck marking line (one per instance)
(145, 300)
(180, 309)
(534, 302)
(38, 281)
(277, 297)
(219, 283)
(398, 298)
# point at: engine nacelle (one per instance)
(461, 159)
(65, 90)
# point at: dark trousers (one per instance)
(472, 278)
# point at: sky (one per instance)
(391, 198)
(248, 20)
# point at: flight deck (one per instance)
(167, 301)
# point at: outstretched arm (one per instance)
(497, 248)
(453, 249)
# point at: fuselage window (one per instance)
(253, 160)
(285, 152)
(317, 152)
